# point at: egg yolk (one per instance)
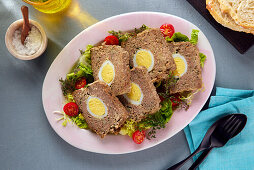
(181, 65)
(135, 93)
(96, 107)
(107, 73)
(144, 58)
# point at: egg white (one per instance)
(183, 59)
(151, 55)
(99, 74)
(94, 115)
(133, 101)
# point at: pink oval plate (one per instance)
(84, 139)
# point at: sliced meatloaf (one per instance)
(119, 58)
(116, 112)
(192, 79)
(150, 102)
(152, 40)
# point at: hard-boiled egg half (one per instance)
(107, 72)
(96, 107)
(144, 58)
(136, 95)
(181, 65)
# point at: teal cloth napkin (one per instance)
(238, 153)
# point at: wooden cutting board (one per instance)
(241, 41)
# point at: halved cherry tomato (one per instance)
(71, 109)
(80, 83)
(175, 100)
(111, 40)
(167, 30)
(138, 136)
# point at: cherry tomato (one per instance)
(175, 100)
(138, 136)
(71, 109)
(167, 30)
(80, 83)
(111, 40)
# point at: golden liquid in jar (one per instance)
(49, 6)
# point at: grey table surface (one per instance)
(26, 139)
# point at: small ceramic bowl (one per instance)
(9, 36)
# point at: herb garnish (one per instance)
(167, 84)
(124, 36)
(157, 120)
(120, 35)
(141, 29)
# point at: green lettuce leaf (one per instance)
(177, 37)
(157, 120)
(69, 98)
(85, 58)
(82, 69)
(202, 59)
(80, 121)
(120, 35)
(125, 36)
(160, 118)
(141, 29)
(128, 128)
(194, 37)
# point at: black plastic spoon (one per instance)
(217, 136)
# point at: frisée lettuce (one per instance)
(81, 69)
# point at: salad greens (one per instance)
(82, 69)
(128, 128)
(141, 29)
(120, 35)
(157, 120)
(177, 37)
(202, 59)
(125, 36)
(194, 37)
(69, 98)
(80, 121)
(85, 60)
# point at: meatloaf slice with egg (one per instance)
(149, 48)
(186, 56)
(143, 98)
(102, 111)
(110, 63)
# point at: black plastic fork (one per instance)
(230, 129)
(217, 136)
